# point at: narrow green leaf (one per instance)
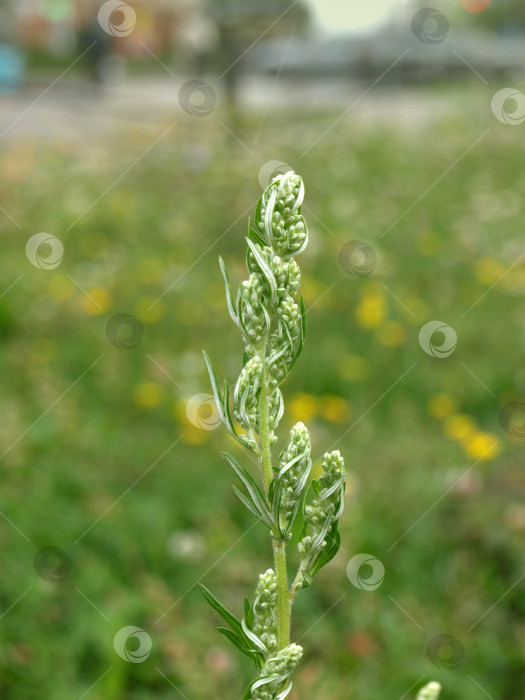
(215, 387)
(229, 294)
(240, 643)
(265, 269)
(249, 484)
(291, 520)
(226, 615)
(318, 541)
(257, 237)
(247, 693)
(328, 552)
(252, 508)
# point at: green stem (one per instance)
(264, 428)
(284, 603)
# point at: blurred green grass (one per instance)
(140, 533)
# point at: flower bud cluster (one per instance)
(327, 506)
(265, 311)
(245, 398)
(255, 318)
(264, 612)
(278, 218)
(297, 453)
(284, 340)
(276, 672)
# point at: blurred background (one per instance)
(135, 139)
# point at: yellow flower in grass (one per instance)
(391, 334)
(441, 405)
(460, 427)
(488, 270)
(195, 436)
(302, 407)
(61, 288)
(429, 243)
(151, 270)
(97, 301)
(371, 309)
(148, 394)
(123, 203)
(515, 281)
(354, 368)
(311, 289)
(149, 310)
(481, 446)
(192, 434)
(335, 409)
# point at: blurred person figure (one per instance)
(11, 57)
(11, 67)
(198, 40)
(97, 44)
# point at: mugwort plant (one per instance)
(297, 513)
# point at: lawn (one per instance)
(102, 459)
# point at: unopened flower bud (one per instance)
(430, 691)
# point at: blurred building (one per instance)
(54, 25)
